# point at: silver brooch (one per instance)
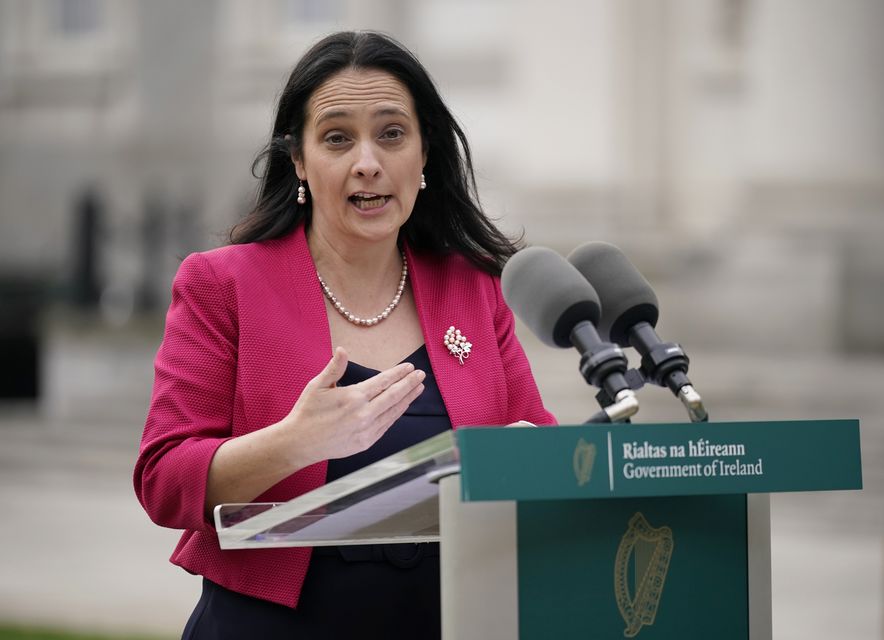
(457, 344)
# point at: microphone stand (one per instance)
(664, 364)
(603, 365)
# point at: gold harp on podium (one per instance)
(647, 551)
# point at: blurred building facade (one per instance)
(735, 148)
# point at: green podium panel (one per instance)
(646, 567)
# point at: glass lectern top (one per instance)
(393, 500)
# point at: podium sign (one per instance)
(625, 460)
(646, 530)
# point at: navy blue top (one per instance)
(424, 418)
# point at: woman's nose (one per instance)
(367, 163)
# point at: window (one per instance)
(73, 18)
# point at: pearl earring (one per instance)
(302, 193)
(423, 182)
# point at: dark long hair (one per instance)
(446, 216)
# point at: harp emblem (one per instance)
(647, 551)
(584, 459)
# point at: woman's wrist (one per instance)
(289, 449)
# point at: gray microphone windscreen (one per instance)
(625, 295)
(548, 294)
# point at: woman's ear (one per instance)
(299, 167)
(296, 160)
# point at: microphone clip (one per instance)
(636, 379)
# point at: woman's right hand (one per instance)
(329, 421)
(326, 422)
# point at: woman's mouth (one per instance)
(368, 201)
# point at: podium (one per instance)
(592, 531)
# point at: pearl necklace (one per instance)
(367, 322)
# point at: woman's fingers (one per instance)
(394, 393)
(382, 381)
(387, 417)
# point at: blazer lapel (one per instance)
(313, 323)
(442, 297)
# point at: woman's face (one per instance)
(361, 156)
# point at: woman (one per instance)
(366, 246)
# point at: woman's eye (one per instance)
(392, 134)
(336, 139)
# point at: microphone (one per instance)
(630, 315)
(561, 308)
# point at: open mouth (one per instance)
(368, 200)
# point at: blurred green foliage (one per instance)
(14, 632)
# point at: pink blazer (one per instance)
(246, 330)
